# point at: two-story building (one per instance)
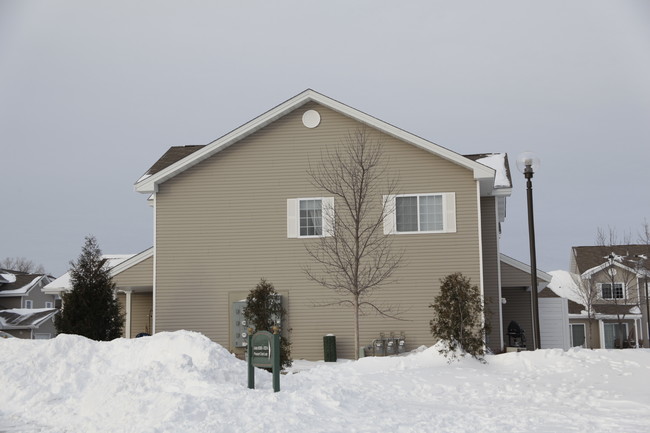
(607, 291)
(25, 311)
(229, 213)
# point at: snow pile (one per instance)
(182, 381)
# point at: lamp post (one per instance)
(528, 163)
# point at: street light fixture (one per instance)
(528, 164)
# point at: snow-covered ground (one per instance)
(183, 382)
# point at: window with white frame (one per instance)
(49, 304)
(29, 304)
(421, 213)
(309, 217)
(606, 291)
(577, 334)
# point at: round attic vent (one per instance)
(311, 118)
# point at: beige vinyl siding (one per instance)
(592, 333)
(221, 226)
(513, 277)
(491, 262)
(141, 310)
(139, 280)
(139, 275)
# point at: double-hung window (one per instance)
(309, 217)
(420, 213)
(606, 291)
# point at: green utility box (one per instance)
(329, 347)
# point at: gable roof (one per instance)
(18, 318)
(162, 170)
(19, 284)
(132, 261)
(543, 278)
(63, 283)
(586, 258)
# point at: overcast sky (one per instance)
(92, 93)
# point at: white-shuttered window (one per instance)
(421, 213)
(309, 217)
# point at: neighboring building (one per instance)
(25, 311)
(134, 297)
(227, 214)
(611, 277)
(517, 305)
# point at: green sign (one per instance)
(261, 348)
(264, 351)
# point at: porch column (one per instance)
(127, 319)
(601, 331)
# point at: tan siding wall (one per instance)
(592, 334)
(492, 291)
(221, 226)
(140, 275)
(518, 308)
(141, 309)
(513, 277)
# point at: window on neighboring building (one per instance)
(421, 213)
(29, 303)
(42, 336)
(613, 333)
(49, 304)
(577, 334)
(309, 217)
(606, 291)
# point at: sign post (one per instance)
(264, 351)
(251, 369)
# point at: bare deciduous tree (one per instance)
(586, 290)
(618, 277)
(643, 264)
(356, 258)
(21, 264)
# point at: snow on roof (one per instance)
(497, 161)
(564, 285)
(22, 289)
(25, 317)
(63, 283)
(7, 278)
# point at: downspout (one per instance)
(155, 261)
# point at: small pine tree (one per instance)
(458, 318)
(90, 308)
(262, 305)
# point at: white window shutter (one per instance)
(292, 218)
(389, 218)
(328, 215)
(449, 208)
